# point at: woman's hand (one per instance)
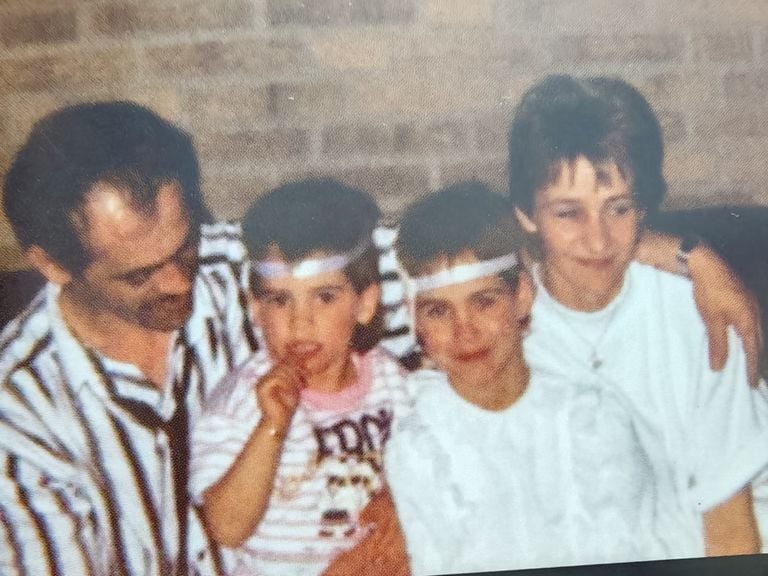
(723, 300)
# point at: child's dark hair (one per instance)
(318, 214)
(464, 216)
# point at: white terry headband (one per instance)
(463, 273)
(270, 269)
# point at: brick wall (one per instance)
(397, 96)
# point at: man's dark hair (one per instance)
(463, 216)
(603, 119)
(71, 149)
(318, 215)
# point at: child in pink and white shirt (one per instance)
(288, 450)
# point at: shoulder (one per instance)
(27, 338)
(221, 241)
(649, 278)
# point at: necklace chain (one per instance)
(595, 360)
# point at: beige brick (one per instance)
(569, 17)
(253, 147)
(737, 120)
(491, 133)
(631, 48)
(692, 163)
(425, 88)
(318, 101)
(50, 27)
(672, 125)
(226, 106)
(353, 48)
(228, 197)
(11, 257)
(365, 140)
(436, 138)
(491, 172)
(705, 13)
(85, 70)
(20, 112)
(722, 46)
(459, 11)
(393, 187)
(749, 87)
(215, 58)
(331, 12)
(381, 11)
(167, 102)
(120, 18)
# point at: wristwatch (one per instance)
(687, 244)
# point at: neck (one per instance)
(573, 297)
(117, 338)
(335, 378)
(500, 390)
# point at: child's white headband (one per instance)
(270, 269)
(462, 273)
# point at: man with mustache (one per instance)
(142, 311)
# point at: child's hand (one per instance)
(278, 393)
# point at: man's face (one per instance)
(473, 330)
(588, 224)
(142, 263)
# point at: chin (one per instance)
(166, 322)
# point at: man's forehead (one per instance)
(114, 226)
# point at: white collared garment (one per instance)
(654, 350)
(560, 477)
(87, 485)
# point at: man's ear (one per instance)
(47, 265)
(368, 304)
(528, 225)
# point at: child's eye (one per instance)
(276, 299)
(327, 296)
(566, 213)
(436, 311)
(484, 301)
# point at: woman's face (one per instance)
(588, 225)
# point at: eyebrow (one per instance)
(423, 303)
(430, 301)
(189, 239)
(324, 287)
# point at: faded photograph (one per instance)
(382, 287)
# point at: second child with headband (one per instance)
(500, 467)
(288, 451)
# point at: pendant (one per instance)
(595, 361)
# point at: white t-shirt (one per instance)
(560, 477)
(711, 431)
(329, 467)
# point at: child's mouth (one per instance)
(472, 356)
(304, 350)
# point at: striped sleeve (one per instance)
(46, 525)
(398, 338)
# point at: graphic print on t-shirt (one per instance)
(349, 461)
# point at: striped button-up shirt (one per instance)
(88, 484)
